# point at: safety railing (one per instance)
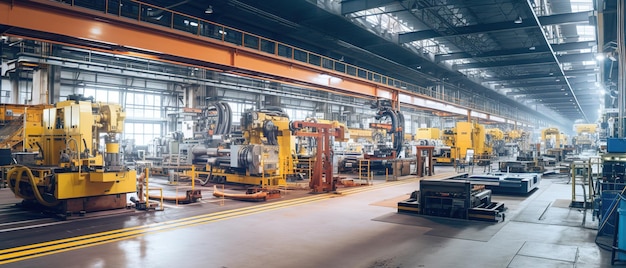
(148, 13)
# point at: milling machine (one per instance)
(78, 168)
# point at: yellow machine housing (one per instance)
(78, 168)
(265, 156)
(428, 134)
(19, 121)
(585, 135)
(461, 138)
(551, 135)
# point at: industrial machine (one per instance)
(18, 121)
(516, 140)
(467, 142)
(395, 130)
(551, 138)
(387, 141)
(262, 156)
(77, 166)
(586, 137)
(495, 141)
(555, 143)
(325, 134)
(453, 199)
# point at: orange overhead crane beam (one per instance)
(120, 33)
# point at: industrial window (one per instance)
(143, 106)
(238, 109)
(142, 133)
(102, 95)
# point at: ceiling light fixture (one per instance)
(208, 10)
(518, 20)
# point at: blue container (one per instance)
(621, 230)
(608, 199)
(614, 145)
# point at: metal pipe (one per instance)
(621, 51)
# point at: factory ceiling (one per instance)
(538, 55)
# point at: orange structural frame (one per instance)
(61, 23)
(123, 34)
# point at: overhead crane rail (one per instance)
(237, 48)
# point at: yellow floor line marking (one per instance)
(62, 245)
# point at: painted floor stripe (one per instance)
(62, 245)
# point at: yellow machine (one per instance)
(513, 135)
(551, 138)
(263, 157)
(482, 150)
(495, 140)
(586, 136)
(463, 137)
(78, 167)
(459, 139)
(14, 118)
(428, 134)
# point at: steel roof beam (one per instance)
(497, 26)
(519, 77)
(576, 57)
(536, 84)
(495, 53)
(351, 6)
(566, 18)
(555, 58)
(573, 45)
(464, 30)
(477, 65)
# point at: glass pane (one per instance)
(299, 55)
(114, 7)
(284, 51)
(251, 41)
(315, 59)
(95, 5)
(185, 23)
(156, 16)
(233, 36)
(327, 63)
(268, 46)
(130, 9)
(362, 73)
(340, 67)
(210, 30)
(351, 70)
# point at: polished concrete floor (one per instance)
(359, 229)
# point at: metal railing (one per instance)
(148, 13)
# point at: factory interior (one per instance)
(312, 133)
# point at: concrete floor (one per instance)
(354, 230)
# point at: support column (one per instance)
(54, 84)
(190, 97)
(41, 86)
(14, 79)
